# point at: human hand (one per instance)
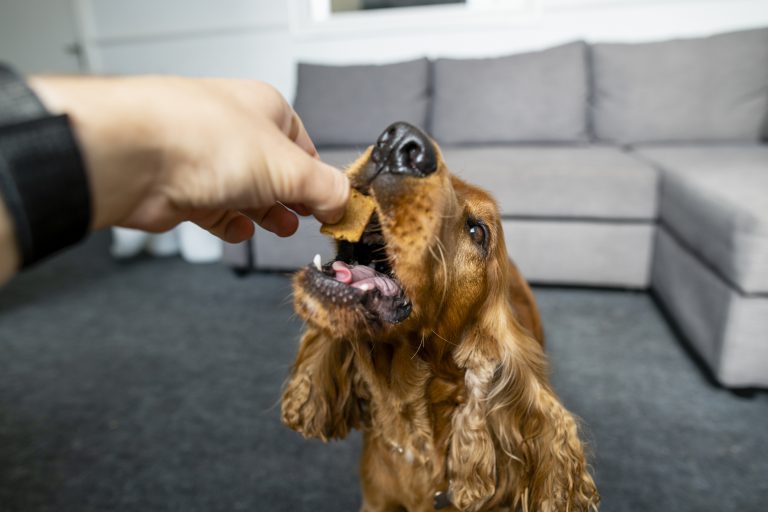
(220, 153)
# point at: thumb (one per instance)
(323, 189)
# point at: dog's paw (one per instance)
(304, 412)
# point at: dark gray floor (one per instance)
(153, 386)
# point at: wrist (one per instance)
(116, 138)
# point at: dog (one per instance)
(424, 335)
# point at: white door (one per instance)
(39, 36)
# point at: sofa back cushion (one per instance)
(351, 105)
(538, 96)
(706, 89)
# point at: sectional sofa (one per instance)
(637, 166)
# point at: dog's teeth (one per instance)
(372, 265)
(318, 261)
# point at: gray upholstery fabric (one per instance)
(713, 88)
(351, 105)
(599, 182)
(727, 329)
(275, 253)
(539, 96)
(715, 199)
(341, 158)
(581, 253)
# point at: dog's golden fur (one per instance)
(455, 398)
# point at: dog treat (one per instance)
(356, 217)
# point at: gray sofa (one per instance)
(623, 165)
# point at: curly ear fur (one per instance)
(323, 395)
(513, 444)
(537, 436)
(513, 437)
(472, 456)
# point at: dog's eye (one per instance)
(478, 233)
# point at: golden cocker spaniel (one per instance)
(424, 335)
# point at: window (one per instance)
(365, 5)
(313, 18)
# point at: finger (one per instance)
(326, 193)
(300, 209)
(298, 134)
(238, 230)
(298, 178)
(277, 219)
(229, 225)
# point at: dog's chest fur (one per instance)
(412, 394)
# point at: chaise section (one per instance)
(729, 330)
(571, 214)
(714, 199)
(710, 266)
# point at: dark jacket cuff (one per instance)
(42, 175)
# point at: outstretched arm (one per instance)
(160, 150)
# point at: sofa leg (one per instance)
(242, 271)
(744, 393)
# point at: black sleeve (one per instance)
(42, 176)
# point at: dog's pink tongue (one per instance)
(365, 278)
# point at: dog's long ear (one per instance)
(323, 395)
(512, 436)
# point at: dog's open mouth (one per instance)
(361, 277)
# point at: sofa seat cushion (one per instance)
(584, 182)
(705, 89)
(528, 97)
(340, 157)
(351, 105)
(715, 200)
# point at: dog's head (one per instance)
(431, 250)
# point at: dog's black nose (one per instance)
(404, 149)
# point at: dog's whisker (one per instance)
(445, 340)
(445, 272)
(421, 344)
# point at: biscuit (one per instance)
(351, 226)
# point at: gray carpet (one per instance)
(153, 386)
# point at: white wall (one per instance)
(37, 35)
(264, 38)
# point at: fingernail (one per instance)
(340, 198)
(329, 216)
